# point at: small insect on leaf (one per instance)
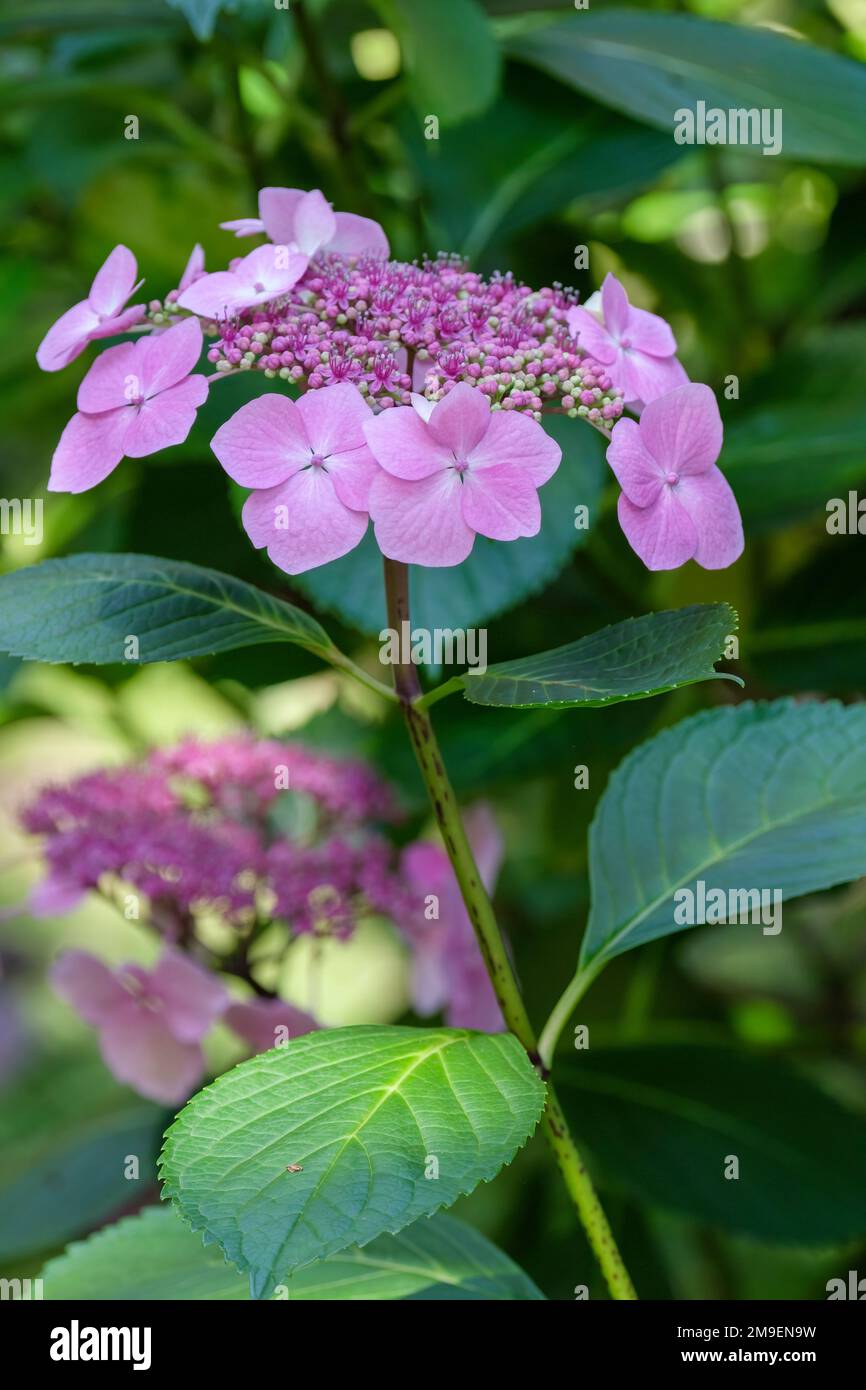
(294, 1168)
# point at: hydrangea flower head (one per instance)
(100, 315)
(676, 505)
(136, 399)
(453, 470)
(637, 348)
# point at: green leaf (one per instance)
(67, 1131)
(626, 661)
(451, 53)
(767, 797)
(155, 1256)
(86, 607)
(665, 1120)
(496, 576)
(652, 65)
(363, 1111)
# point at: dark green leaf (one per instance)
(626, 661)
(155, 1256)
(652, 65)
(86, 607)
(665, 1122)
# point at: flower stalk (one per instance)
(492, 946)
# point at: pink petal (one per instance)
(401, 442)
(113, 282)
(315, 223)
(88, 985)
(270, 271)
(277, 207)
(643, 378)
(421, 405)
(637, 472)
(91, 447)
(54, 897)
(334, 418)
(353, 474)
(169, 357)
(67, 337)
(501, 502)
(460, 420)
(166, 419)
(651, 334)
(127, 318)
(683, 429)
(591, 336)
(421, 523)
(244, 226)
(263, 1023)
(215, 296)
(192, 998)
(112, 381)
(194, 267)
(662, 535)
(358, 236)
(615, 306)
(263, 443)
(315, 528)
(712, 506)
(139, 1050)
(517, 440)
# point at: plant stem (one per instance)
(491, 944)
(561, 1013)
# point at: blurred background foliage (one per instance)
(549, 138)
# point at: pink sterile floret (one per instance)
(311, 470)
(100, 315)
(307, 221)
(265, 275)
(676, 505)
(150, 1022)
(452, 470)
(136, 399)
(637, 348)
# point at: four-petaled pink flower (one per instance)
(266, 274)
(100, 315)
(311, 470)
(452, 470)
(307, 220)
(136, 399)
(676, 505)
(637, 348)
(150, 1022)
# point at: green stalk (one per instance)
(492, 946)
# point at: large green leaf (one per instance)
(451, 53)
(496, 576)
(155, 1256)
(767, 796)
(626, 661)
(86, 607)
(370, 1114)
(664, 1121)
(652, 65)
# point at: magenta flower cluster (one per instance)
(195, 831)
(468, 366)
